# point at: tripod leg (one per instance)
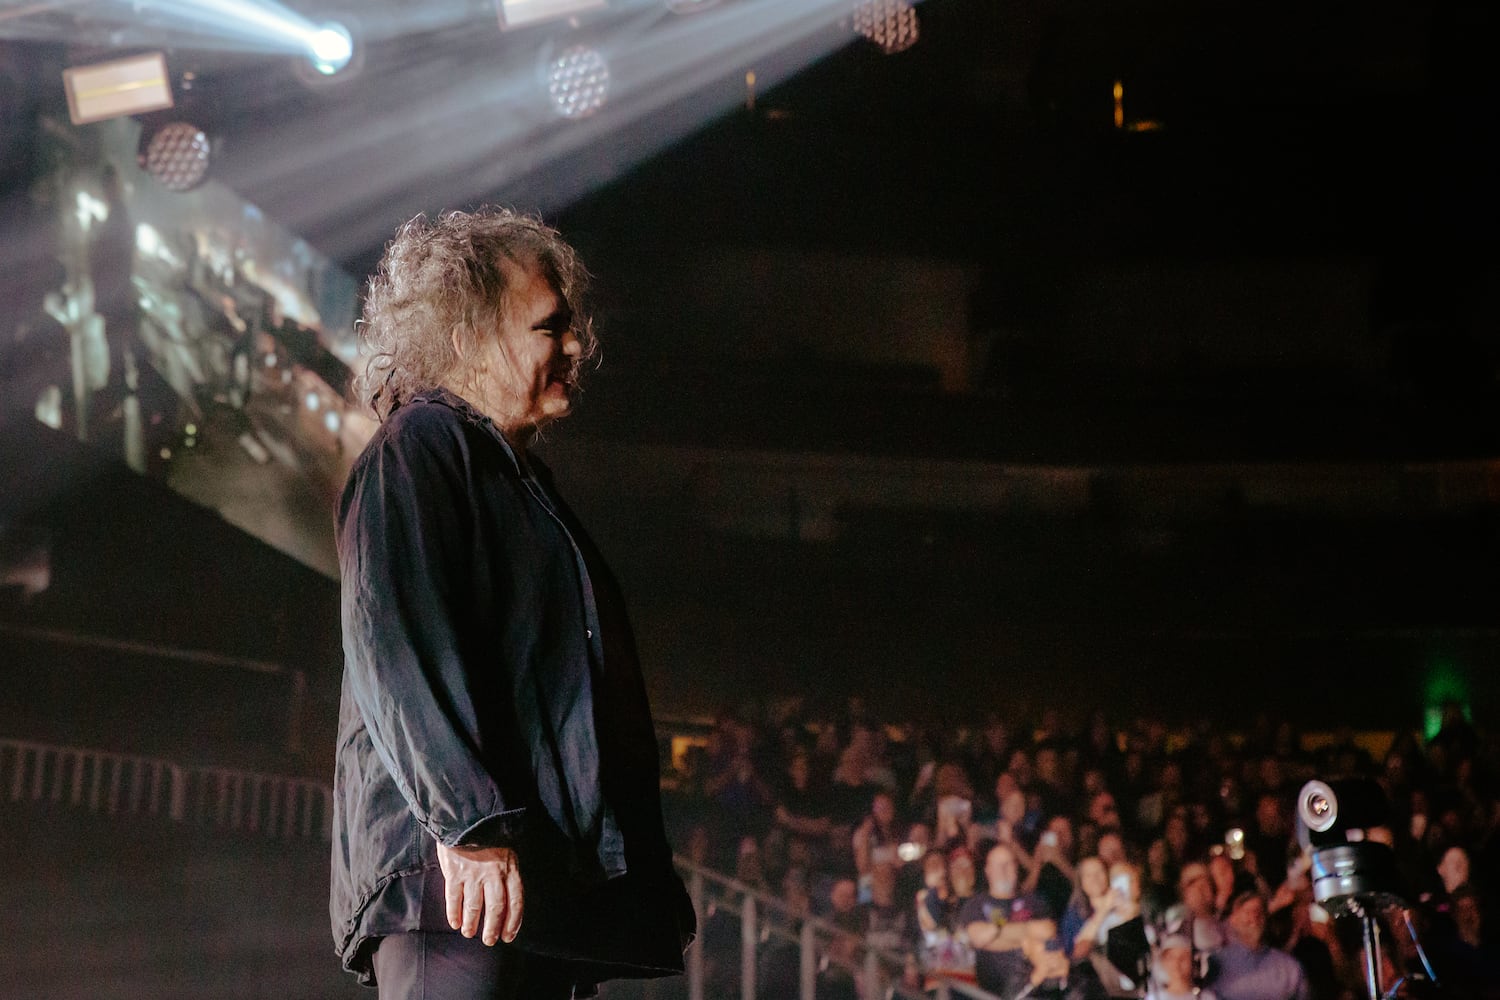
(1372, 955)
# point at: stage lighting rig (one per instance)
(890, 24)
(177, 154)
(127, 86)
(576, 80)
(522, 13)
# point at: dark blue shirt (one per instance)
(492, 698)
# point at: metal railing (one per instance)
(877, 972)
(109, 783)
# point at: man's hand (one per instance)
(482, 881)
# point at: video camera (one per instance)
(1345, 825)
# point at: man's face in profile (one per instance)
(528, 366)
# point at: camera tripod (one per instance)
(1364, 908)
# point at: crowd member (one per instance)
(1123, 938)
(1054, 792)
(1176, 974)
(1157, 880)
(1194, 914)
(948, 786)
(1078, 928)
(1051, 876)
(1292, 927)
(1246, 968)
(1224, 879)
(1268, 841)
(954, 822)
(1454, 869)
(1111, 847)
(996, 922)
(889, 925)
(963, 880)
(844, 907)
(801, 813)
(861, 771)
(876, 838)
(934, 901)
(1162, 797)
(1469, 956)
(993, 752)
(949, 885)
(838, 978)
(741, 796)
(779, 964)
(1177, 836)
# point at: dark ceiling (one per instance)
(1281, 128)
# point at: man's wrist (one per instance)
(499, 830)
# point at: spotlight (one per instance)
(332, 54)
(577, 81)
(890, 24)
(331, 48)
(177, 155)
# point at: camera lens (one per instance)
(1317, 806)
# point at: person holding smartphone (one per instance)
(1080, 926)
(1115, 938)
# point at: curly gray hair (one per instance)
(453, 276)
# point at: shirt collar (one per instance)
(444, 396)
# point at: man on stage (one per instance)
(497, 818)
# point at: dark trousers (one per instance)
(436, 966)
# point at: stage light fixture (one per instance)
(120, 87)
(520, 13)
(177, 155)
(332, 54)
(890, 24)
(577, 81)
(331, 48)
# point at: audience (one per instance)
(876, 827)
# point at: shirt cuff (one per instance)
(503, 829)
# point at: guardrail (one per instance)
(876, 971)
(108, 783)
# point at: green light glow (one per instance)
(1445, 682)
